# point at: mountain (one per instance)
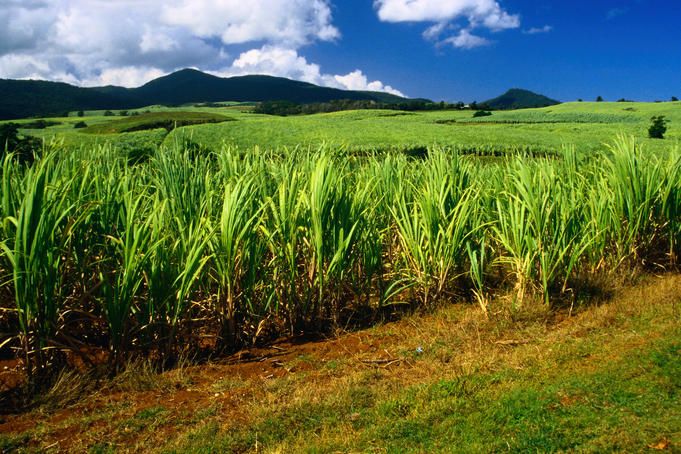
(517, 98)
(30, 98)
(190, 85)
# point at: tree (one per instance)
(80, 125)
(658, 127)
(23, 148)
(482, 113)
(281, 108)
(599, 99)
(81, 113)
(674, 99)
(9, 136)
(108, 113)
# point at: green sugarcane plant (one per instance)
(236, 229)
(284, 232)
(36, 249)
(123, 280)
(331, 234)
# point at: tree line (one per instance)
(286, 108)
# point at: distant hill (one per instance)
(29, 98)
(517, 98)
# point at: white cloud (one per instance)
(445, 14)
(275, 61)
(488, 12)
(283, 62)
(155, 40)
(538, 30)
(466, 40)
(129, 76)
(356, 80)
(17, 66)
(434, 31)
(129, 42)
(85, 41)
(289, 22)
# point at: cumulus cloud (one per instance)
(488, 12)
(17, 66)
(356, 80)
(274, 61)
(129, 42)
(289, 22)
(157, 41)
(448, 14)
(128, 76)
(88, 41)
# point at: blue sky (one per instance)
(614, 49)
(440, 49)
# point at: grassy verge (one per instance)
(604, 377)
(624, 404)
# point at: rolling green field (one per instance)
(586, 125)
(102, 129)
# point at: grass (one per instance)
(602, 379)
(620, 400)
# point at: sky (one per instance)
(452, 50)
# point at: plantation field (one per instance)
(256, 245)
(588, 126)
(147, 280)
